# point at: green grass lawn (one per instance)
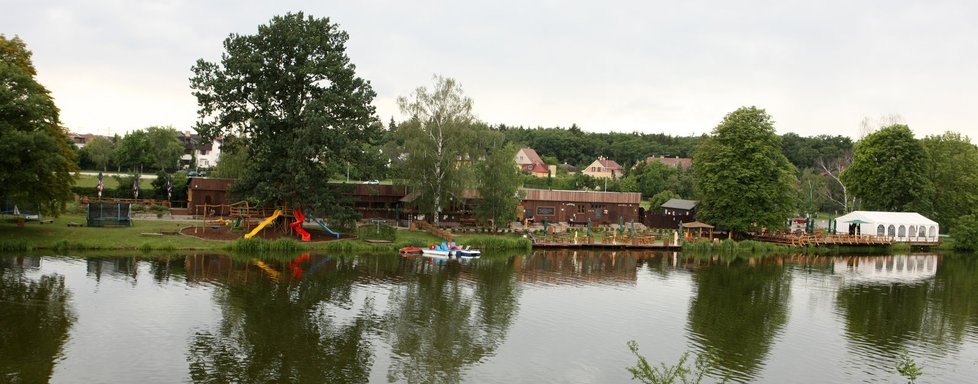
(59, 235)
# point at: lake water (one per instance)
(552, 316)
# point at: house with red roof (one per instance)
(603, 168)
(529, 162)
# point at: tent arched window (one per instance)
(913, 231)
(902, 231)
(932, 232)
(880, 230)
(891, 230)
(922, 232)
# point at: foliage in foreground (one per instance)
(908, 368)
(681, 372)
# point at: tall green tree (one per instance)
(742, 178)
(100, 151)
(499, 181)
(36, 159)
(292, 95)
(133, 151)
(165, 147)
(438, 137)
(953, 168)
(888, 171)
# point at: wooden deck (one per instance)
(637, 242)
(803, 240)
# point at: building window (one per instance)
(581, 208)
(545, 211)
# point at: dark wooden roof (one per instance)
(583, 196)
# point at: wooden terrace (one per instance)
(803, 240)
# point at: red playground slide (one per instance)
(297, 225)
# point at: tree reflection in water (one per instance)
(737, 311)
(440, 321)
(34, 321)
(312, 326)
(278, 331)
(935, 311)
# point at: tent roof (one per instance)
(885, 217)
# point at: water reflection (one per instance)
(738, 310)
(275, 328)
(563, 266)
(902, 301)
(34, 321)
(347, 318)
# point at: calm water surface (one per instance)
(547, 317)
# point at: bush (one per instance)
(965, 233)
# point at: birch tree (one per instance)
(436, 135)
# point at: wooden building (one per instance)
(576, 207)
(207, 191)
(377, 201)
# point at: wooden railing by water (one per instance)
(447, 236)
(802, 240)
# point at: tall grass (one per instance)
(731, 247)
(15, 245)
(262, 245)
(491, 243)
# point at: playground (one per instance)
(240, 220)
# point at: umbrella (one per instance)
(101, 185)
(857, 221)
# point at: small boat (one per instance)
(410, 251)
(468, 252)
(436, 252)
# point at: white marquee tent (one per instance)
(901, 226)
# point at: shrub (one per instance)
(965, 233)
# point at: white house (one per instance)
(901, 226)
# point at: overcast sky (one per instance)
(673, 67)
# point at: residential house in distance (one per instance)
(81, 139)
(206, 154)
(603, 168)
(530, 162)
(683, 163)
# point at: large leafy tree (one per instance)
(439, 138)
(133, 151)
(888, 171)
(953, 166)
(100, 151)
(291, 94)
(743, 180)
(36, 159)
(165, 147)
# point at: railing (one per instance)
(434, 230)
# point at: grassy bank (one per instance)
(59, 236)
